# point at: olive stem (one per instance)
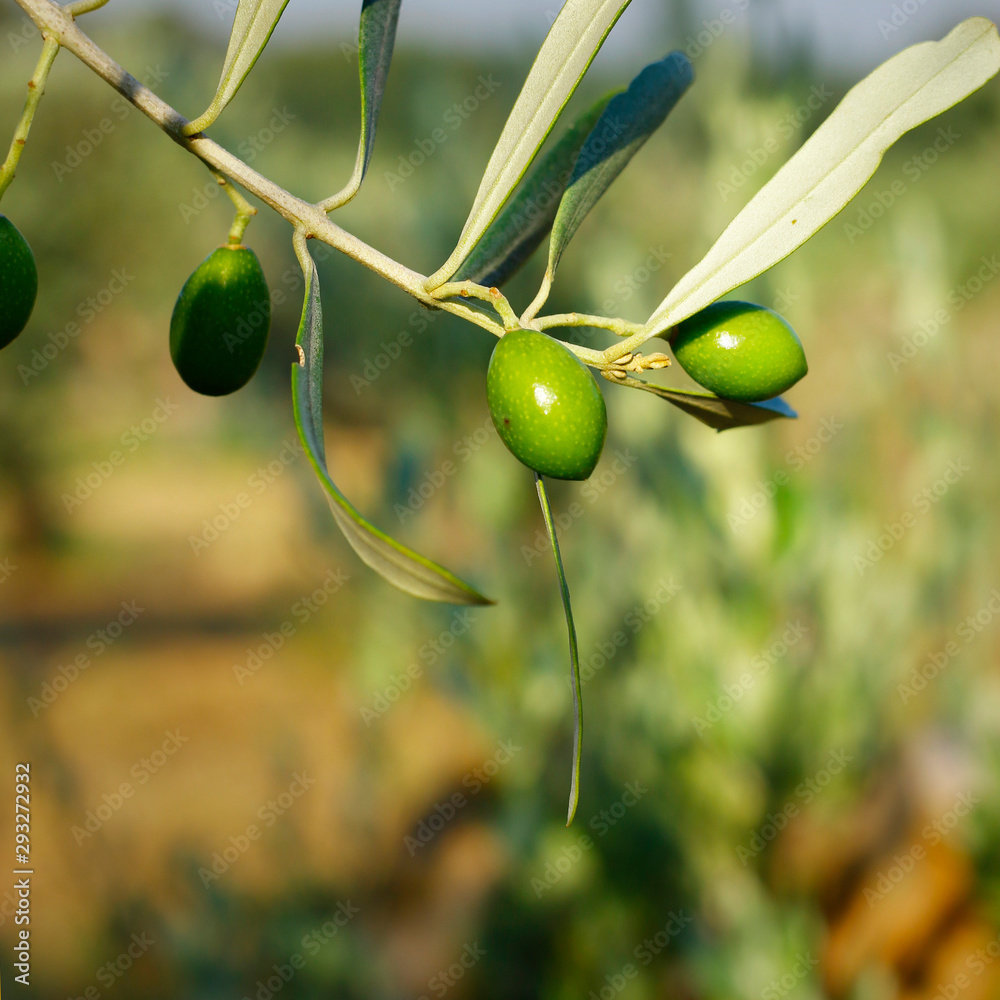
(622, 327)
(618, 376)
(350, 189)
(83, 7)
(470, 289)
(574, 652)
(539, 300)
(244, 210)
(36, 87)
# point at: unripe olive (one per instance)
(546, 405)
(18, 281)
(220, 323)
(739, 351)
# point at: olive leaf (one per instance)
(527, 218)
(399, 565)
(252, 27)
(718, 413)
(573, 40)
(835, 162)
(376, 38)
(621, 131)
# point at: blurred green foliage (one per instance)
(747, 613)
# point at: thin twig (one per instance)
(36, 87)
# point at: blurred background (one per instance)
(260, 770)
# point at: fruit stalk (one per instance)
(622, 327)
(244, 210)
(36, 87)
(574, 652)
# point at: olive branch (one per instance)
(505, 227)
(812, 187)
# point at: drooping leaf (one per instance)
(835, 163)
(252, 27)
(526, 219)
(398, 564)
(721, 414)
(627, 122)
(573, 40)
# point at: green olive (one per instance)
(220, 323)
(18, 281)
(739, 351)
(546, 406)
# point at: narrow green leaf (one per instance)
(627, 122)
(721, 414)
(526, 219)
(573, 40)
(376, 36)
(399, 565)
(574, 650)
(836, 162)
(252, 27)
